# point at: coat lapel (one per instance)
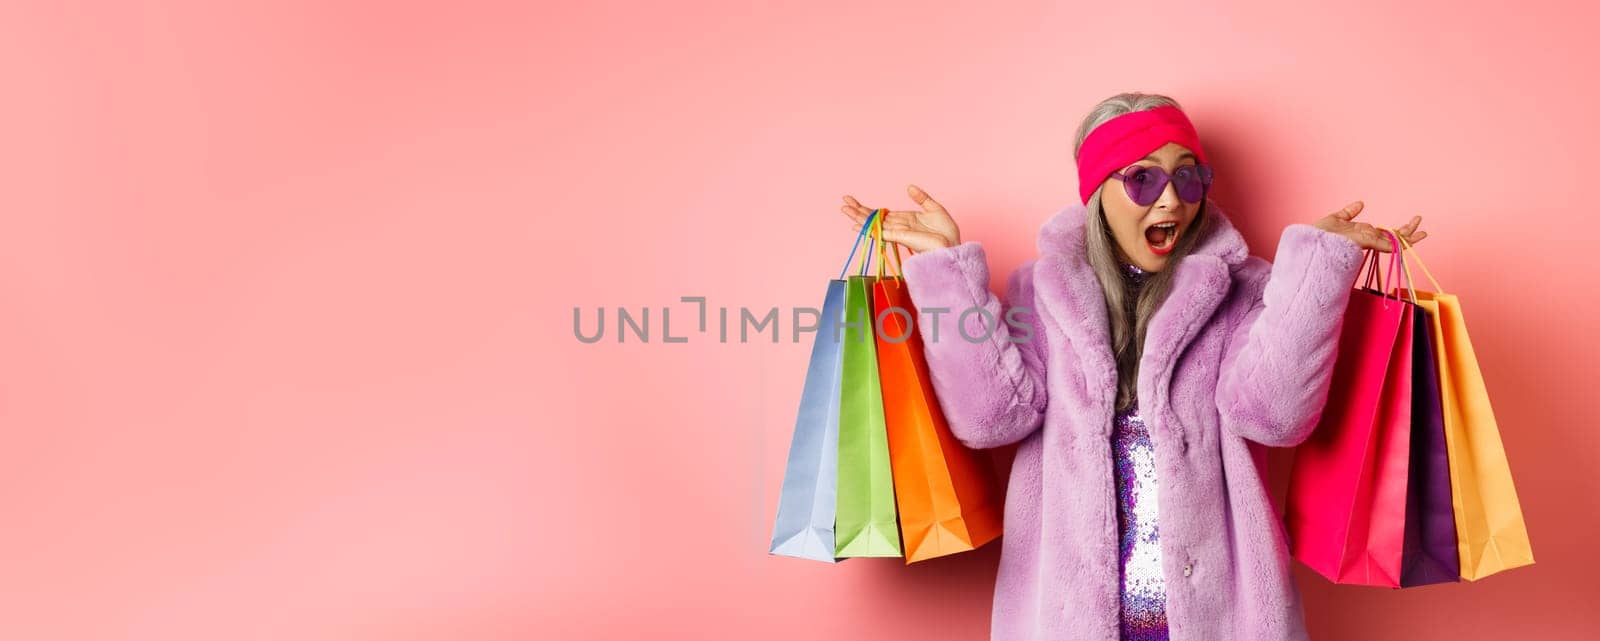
(1069, 292)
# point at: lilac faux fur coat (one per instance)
(1238, 358)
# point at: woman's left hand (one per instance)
(1368, 237)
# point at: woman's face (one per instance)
(1134, 226)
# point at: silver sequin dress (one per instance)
(1144, 594)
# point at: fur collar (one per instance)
(1068, 291)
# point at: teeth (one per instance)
(1171, 233)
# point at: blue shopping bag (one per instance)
(807, 504)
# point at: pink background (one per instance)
(287, 289)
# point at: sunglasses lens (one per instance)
(1145, 184)
(1192, 182)
(1187, 180)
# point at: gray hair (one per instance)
(1129, 317)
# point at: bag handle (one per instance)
(1411, 254)
(883, 254)
(1406, 264)
(866, 258)
(1394, 241)
(1370, 265)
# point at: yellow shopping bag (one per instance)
(1490, 533)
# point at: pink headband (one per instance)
(1127, 139)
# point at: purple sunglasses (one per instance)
(1145, 184)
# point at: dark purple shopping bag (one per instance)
(1430, 553)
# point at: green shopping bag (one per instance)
(865, 523)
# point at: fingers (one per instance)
(858, 212)
(924, 200)
(855, 210)
(890, 218)
(1409, 227)
(1410, 230)
(894, 222)
(1373, 237)
(903, 228)
(1380, 237)
(912, 238)
(1350, 211)
(1376, 238)
(916, 241)
(1407, 232)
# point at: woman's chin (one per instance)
(1145, 257)
(1150, 261)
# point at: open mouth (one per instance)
(1162, 237)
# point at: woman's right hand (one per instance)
(920, 231)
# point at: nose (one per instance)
(1169, 200)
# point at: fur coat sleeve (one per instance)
(1279, 360)
(986, 357)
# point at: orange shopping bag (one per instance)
(1490, 533)
(947, 496)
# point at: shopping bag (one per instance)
(805, 522)
(946, 495)
(1346, 504)
(1490, 532)
(1430, 537)
(865, 522)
